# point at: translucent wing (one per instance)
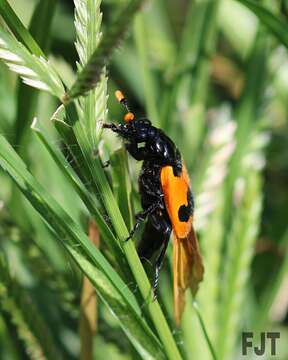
(187, 268)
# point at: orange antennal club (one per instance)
(119, 96)
(129, 117)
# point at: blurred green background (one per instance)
(215, 79)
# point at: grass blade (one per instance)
(275, 25)
(34, 71)
(122, 184)
(88, 308)
(40, 27)
(18, 29)
(203, 327)
(67, 136)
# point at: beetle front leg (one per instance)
(141, 216)
(138, 154)
(113, 127)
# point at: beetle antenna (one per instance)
(129, 116)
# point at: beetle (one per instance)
(167, 203)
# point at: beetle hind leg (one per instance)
(155, 240)
(159, 262)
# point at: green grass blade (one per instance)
(34, 71)
(122, 184)
(90, 75)
(40, 27)
(109, 285)
(41, 23)
(67, 136)
(18, 29)
(276, 25)
(203, 327)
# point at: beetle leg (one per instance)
(142, 215)
(115, 128)
(160, 260)
(137, 153)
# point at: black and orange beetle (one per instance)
(167, 203)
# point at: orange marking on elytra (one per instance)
(175, 191)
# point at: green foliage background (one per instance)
(213, 74)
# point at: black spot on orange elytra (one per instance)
(185, 211)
